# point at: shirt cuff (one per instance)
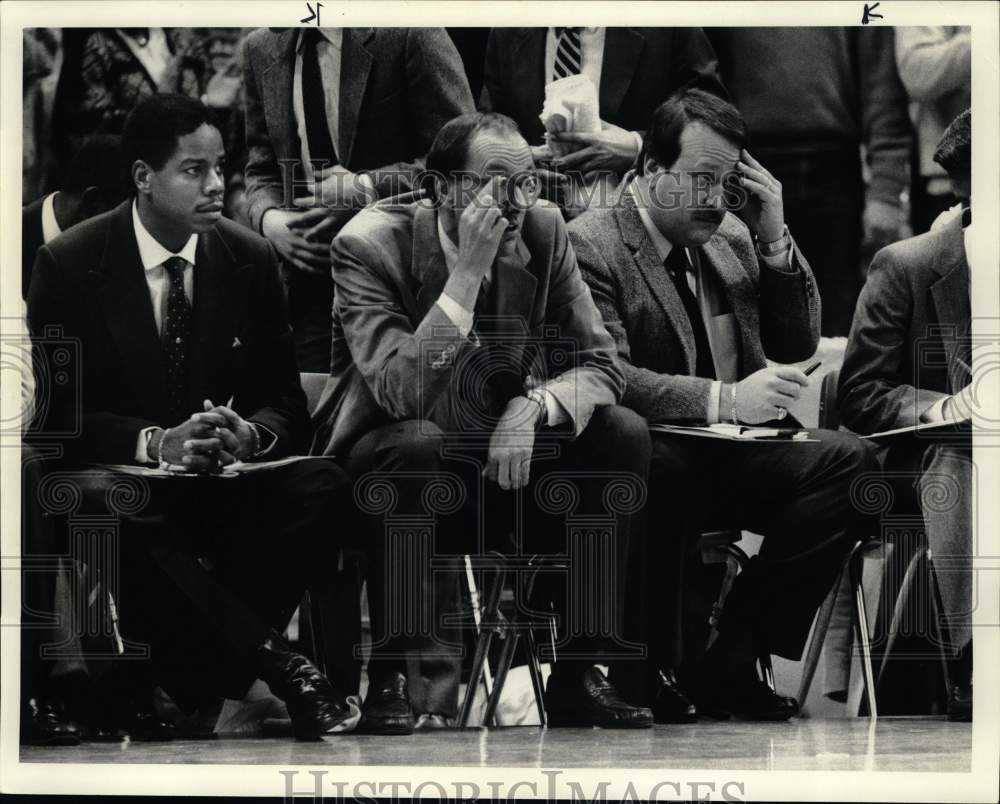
(266, 439)
(779, 262)
(141, 454)
(638, 143)
(714, 402)
(458, 315)
(555, 413)
(935, 413)
(371, 194)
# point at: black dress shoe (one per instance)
(592, 701)
(314, 706)
(43, 723)
(145, 726)
(387, 708)
(740, 694)
(671, 704)
(960, 704)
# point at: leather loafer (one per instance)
(145, 726)
(387, 708)
(740, 694)
(42, 723)
(314, 706)
(960, 704)
(670, 703)
(592, 701)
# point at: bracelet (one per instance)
(773, 248)
(732, 402)
(159, 445)
(536, 397)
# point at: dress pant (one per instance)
(209, 565)
(795, 494)
(596, 478)
(823, 198)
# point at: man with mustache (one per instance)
(465, 338)
(695, 299)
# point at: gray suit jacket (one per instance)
(395, 352)
(909, 332)
(777, 313)
(398, 86)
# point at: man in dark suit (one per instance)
(336, 117)
(909, 361)
(695, 298)
(464, 323)
(634, 69)
(175, 309)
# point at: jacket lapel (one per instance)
(217, 292)
(356, 64)
(622, 49)
(648, 263)
(276, 89)
(950, 294)
(123, 295)
(427, 258)
(515, 289)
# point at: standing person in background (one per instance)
(634, 70)
(364, 105)
(812, 98)
(935, 66)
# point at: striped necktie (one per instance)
(569, 59)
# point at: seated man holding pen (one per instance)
(696, 298)
(908, 362)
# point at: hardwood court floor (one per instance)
(893, 744)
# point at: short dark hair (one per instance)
(954, 149)
(450, 149)
(156, 123)
(663, 138)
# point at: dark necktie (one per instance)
(569, 58)
(314, 103)
(677, 266)
(176, 334)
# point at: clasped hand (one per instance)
(208, 441)
(512, 444)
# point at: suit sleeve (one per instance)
(437, 90)
(406, 368)
(86, 432)
(885, 118)
(271, 392)
(693, 63)
(492, 97)
(789, 304)
(656, 396)
(263, 175)
(597, 379)
(871, 396)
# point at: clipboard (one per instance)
(736, 432)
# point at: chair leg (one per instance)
(900, 607)
(861, 630)
(480, 664)
(535, 670)
(816, 642)
(733, 564)
(940, 632)
(503, 667)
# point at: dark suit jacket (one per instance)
(777, 313)
(641, 68)
(909, 330)
(32, 239)
(90, 282)
(395, 350)
(398, 86)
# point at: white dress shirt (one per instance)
(50, 225)
(464, 319)
(328, 51)
(153, 255)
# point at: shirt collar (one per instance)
(335, 36)
(151, 252)
(660, 243)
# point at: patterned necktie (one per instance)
(569, 60)
(314, 103)
(176, 334)
(677, 266)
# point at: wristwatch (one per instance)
(773, 248)
(538, 398)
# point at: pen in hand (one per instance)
(810, 369)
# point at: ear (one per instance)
(142, 175)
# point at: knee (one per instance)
(414, 444)
(626, 432)
(852, 456)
